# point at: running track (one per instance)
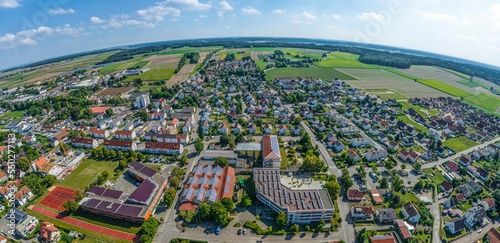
(85, 225)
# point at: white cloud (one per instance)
(223, 7)
(96, 20)
(61, 11)
(372, 16)
(202, 16)
(495, 15)
(308, 15)
(187, 4)
(278, 11)
(468, 37)
(335, 16)
(295, 21)
(157, 13)
(250, 10)
(9, 4)
(439, 17)
(30, 37)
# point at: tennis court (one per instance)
(57, 197)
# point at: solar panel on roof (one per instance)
(226, 189)
(228, 179)
(115, 194)
(143, 192)
(147, 171)
(305, 194)
(96, 190)
(303, 205)
(291, 195)
(129, 210)
(213, 195)
(301, 198)
(314, 206)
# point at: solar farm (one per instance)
(57, 197)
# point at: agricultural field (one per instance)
(162, 61)
(238, 53)
(454, 79)
(382, 79)
(486, 101)
(343, 60)
(87, 172)
(121, 66)
(114, 91)
(184, 50)
(446, 88)
(313, 72)
(386, 94)
(186, 71)
(460, 144)
(153, 75)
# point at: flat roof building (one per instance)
(301, 206)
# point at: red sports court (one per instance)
(57, 197)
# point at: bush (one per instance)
(255, 227)
(237, 225)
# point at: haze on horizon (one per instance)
(31, 31)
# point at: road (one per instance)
(473, 236)
(457, 155)
(347, 230)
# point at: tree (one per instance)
(204, 210)
(228, 204)
(246, 201)
(417, 166)
(24, 164)
(384, 183)
(346, 179)
(198, 145)
(312, 163)
(403, 166)
(282, 219)
(184, 160)
(109, 112)
(396, 199)
(219, 213)
(333, 189)
(221, 161)
(397, 183)
(70, 206)
(294, 228)
(178, 171)
(174, 181)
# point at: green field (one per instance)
(459, 144)
(437, 178)
(469, 83)
(13, 114)
(184, 50)
(343, 60)
(486, 101)
(417, 126)
(444, 87)
(313, 72)
(395, 71)
(121, 66)
(87, 172)
(386, 94)
(264, 49)
(419, 109)
(153, 75)
(261, 64)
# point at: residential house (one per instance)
(450, 203)
(386, 215)
(296, 130)
(488, 204)
(408, 156)
(26, 226)
(493, 236)
(474, 186)
(464, 190)
(252, 128)
(98, 133)
(187, 127)
(446, 187)
(223, 129)
(410, 213)
(355, 195)
(353, 155)
(362, 213)
(382, 239)
(120, 145)
(237, 128)
(338, 146)
(163, 148)
(481, 174)
(267, 129)
(374, 155)
(455, 226)
(49, 233)
(360, 142)
(475, 216)
(125, 135)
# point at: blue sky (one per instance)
(31, 31)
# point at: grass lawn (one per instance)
(13, 114)
(261, 64)
(486, 101)
(313, 72)
(343, 60)
(417, 126)
(153, 75)
(437, 178)
(460, 144)
(419, 109)
(148, 87)
(68, 227)
(88, 171)
(446, 88)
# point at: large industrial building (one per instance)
(302, 206)
(134, 207)
(207, 184)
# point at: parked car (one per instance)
(239, 232)
(217, 230)
(244, 231)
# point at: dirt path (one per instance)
(185, 71)
(85, 225)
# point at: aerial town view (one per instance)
(122, 125)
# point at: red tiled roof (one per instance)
(494, 235)
(40, 161)
(99, 109)
(123, 132)
(117, 143)
(61, 135)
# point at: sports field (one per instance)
(87, 172)
(382, 79)
(313, 72)
(57, 196)
(460, 144)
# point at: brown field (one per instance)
(255, 54)
(372, 79)
(163, 61)
(185, 71)
(115, 91)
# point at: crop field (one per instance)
(486, 101)
(238, 53)
(163, 61)
(186, 71)
(313, 72)
(445, 76)
(343, 60)
(383, 79)
(118, 67)
(114, 91)
(261, 64)
(459, 144)
(88, 171)
(153, 75)
(264, 49)
(446, 88)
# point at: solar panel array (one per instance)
(105, 192)
(268, 183)
(110, 207)
(148, 172)
(275, 145)
(143, 193)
